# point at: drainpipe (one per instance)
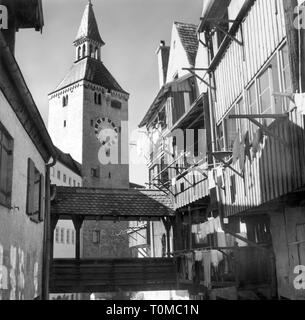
(47, 234)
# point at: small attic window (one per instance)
(116, 104)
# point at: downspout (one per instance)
(47, 234)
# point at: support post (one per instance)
(77, 222)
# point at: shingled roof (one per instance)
(111, 203)
(188, 35)
(91, 70)
(88, 27)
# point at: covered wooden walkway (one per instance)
(110, 275)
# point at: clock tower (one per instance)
(88, 112)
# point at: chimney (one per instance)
(163, 56)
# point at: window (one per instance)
(6, 167)
(53, 171)
(79, 50)
(73, 237)
(253, 107)
(58, 175)
(286, 74)
(96, 235)
(65, 123)
(68, 236)
(108, 153)
(74, 183)
(65, 178)
(264, 92)
(62, 235)
(98, 98)
(70, 182)
(95, 172)
(65, 100)
(84, 50)
(243, 123)
(116, 104)
(35, 193)
(231, 129)
(57, 235)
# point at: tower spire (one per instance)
(88, 41)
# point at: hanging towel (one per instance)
(194, 228)
(246, 139)
(198, 256)
(216, 258)
(206, 263)
(219, 177)
(221, 239)
(190, 262)
(257, 140)
(203, 231)
(217, 225)
(211, 179)
(210, 226)
(242, 158)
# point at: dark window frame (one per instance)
(8, 148)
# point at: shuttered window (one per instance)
(6, 167)
(35, 193)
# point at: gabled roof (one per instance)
(91, 70)
(178, 85)
(67, 160)
(110, 204)
(88, 27)
(188, 36)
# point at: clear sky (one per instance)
(132, 30)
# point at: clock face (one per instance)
(106, 132)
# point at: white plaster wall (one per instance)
(64, 250)
(177, 57)
(69, 139)
(157, 230)
(21, 240)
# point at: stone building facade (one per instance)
(88, 115)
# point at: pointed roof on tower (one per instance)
(88, 28)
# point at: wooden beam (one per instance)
(293, 42)
(259, 116)
(77, 222)
(228, 34)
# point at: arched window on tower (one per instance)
(91, 51)
(95, 97)
(100, 99)
(65, 100)
(79, 51)
(84, 50)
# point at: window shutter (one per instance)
(31, 186)
(42, 198)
